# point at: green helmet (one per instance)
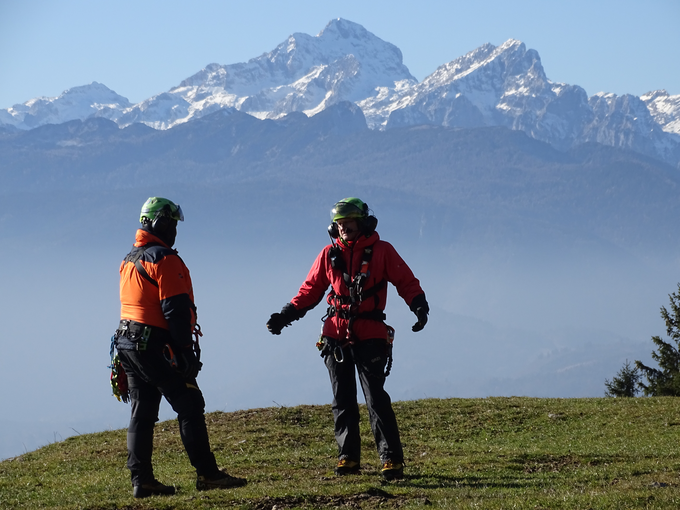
(155, 207)
(349, 208)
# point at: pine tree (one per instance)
(665, 380)
(625, 384)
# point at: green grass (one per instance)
(460, 453)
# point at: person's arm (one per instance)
(407, 285)
(310, 294)
(176, 299)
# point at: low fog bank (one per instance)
(519, 307)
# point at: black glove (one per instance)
(188, 364)
(420, 307)
(278, 321)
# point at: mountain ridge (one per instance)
(587, 185)
(491, 85)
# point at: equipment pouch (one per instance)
(329, 346)
(118, 378)
(390, 334)
(321, 344)
(133, 336)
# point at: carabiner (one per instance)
(341, 358)
(169, 356)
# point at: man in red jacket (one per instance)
(156, 349)
(357, 266)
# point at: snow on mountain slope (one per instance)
(665, 109)
(344, 62)
(75, 103)
(507, 86)
(502, 85)
(622, 121)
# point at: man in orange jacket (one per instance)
(357, 266)
(158, 353)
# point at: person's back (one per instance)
(158, 352)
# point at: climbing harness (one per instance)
(346, 307)
(135, 335)
(142, 343)
(329, 346)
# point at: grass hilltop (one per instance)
(460, 453)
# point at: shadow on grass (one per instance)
(371, 498)
(461, 482)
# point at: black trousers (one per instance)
(369, 357)
(150, 377)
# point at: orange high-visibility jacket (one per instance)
(170, 305)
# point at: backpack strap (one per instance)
(140, 268)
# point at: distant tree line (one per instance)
(664, 381)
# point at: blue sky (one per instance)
(141, 48)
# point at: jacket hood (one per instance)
(144, 237)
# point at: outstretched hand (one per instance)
(276, 323)
(421, 313)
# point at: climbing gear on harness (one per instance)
(169, 356)
(190, 356)
(188, 362)
(118, 378)
(197, 334)
(329, 346)
(390, 341)
(345, 307)
(135, 335)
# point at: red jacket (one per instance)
(385, 264)
(170, 305)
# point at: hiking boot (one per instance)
(393, 470)
(347, 467)
(221, 480)
(152, 488)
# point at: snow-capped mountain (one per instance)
(490, 86)
(75, 103)
(665, 109)
(507, 86)
(625, 121)
(344, 62)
